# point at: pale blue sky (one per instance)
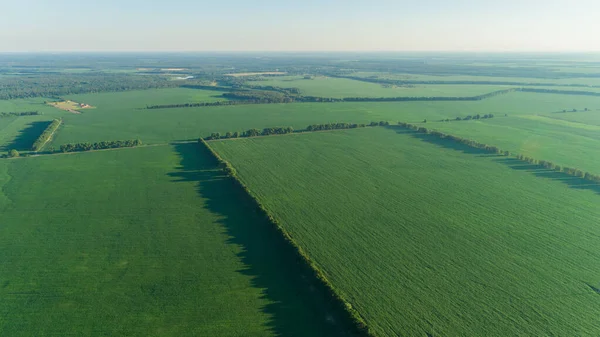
(279, 25)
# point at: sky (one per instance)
(300, 25)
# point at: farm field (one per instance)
(151, 241)
(111, 120)
(340, 88)
(425, 237)
(563, 142)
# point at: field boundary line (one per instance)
(297, 133)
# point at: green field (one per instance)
(431, 238)
(341, 87)
(150, 241)
(563, 142)
(116, 116)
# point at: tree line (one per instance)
(493, 149)
(285, 130)
(357, 323)
(561, 92)
(46, 134)
(469, 117)
(564, 169)
(114, 144)
(252, 133)
(23, 113)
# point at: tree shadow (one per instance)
(595, 289)
(513, 163)
(572, 182)
(299, 304)
(445, 143)
(27, 136)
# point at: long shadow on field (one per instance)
(299, 304)
(27, 136)
(573, 182)
(513, 163)
(448, 144)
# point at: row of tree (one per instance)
(252, 133)
(16, 114)
(493, 149)
(45, 136)
(469, 117)
(465, 141)
(568, 170)
(316, 275)
(561, 92)
(289, 129)
(196, 105)
(77, 147)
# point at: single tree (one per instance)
(13, 153)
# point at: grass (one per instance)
(341, 87)
(148, 241)
(116, 116)
(564, 142)
(431, 238)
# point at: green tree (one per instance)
(13, 153)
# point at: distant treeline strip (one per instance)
(493, 149)
(24, 113)
(561, 92)
(45, 136)
(258, 97)
(357, 322)
(468, 118)
(285, 130)
(114, 144)
(205, 87)
(403, 82)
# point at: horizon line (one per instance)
(306, 51)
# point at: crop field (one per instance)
(120, 221)
(564, 142)
(341, 87)
(117, 115)
(150, 241)
(430, 238)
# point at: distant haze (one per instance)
(310, 25)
